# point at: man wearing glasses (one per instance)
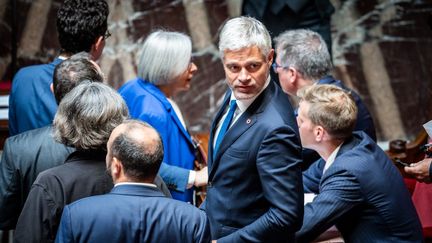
(81, 26)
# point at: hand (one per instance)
(420, 170)
(213, 241)
(201, 177)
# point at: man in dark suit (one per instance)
(134, 210)
(302, 60)
(254, 191)
(361, 191)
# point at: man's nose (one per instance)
(244, 75)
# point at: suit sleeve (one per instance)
(10, 203)
(279, 168)
(64, 233)
(39, 218)
(312, 177)
(162, 186)
(339, 193)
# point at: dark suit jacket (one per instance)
(132, 213)
(364, 195)
(254, 190)
(24, 157)
(282, 15)
(83, 174)
(311, 161)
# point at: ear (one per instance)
(97, 48)
(270, 57)
(116, 168)
(293, 75)
(52, 87)
(319, 133)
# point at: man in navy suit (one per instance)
(303, 60)
(361, 191)
(254, 191)
(135, 210)
(81, 26)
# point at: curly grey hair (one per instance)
(87, 115)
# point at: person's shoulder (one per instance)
(179, 206)
(33, 71)
(29, 139)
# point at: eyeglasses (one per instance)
(106, 35)
(276, 66)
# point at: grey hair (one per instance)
(164, 56)
(306, 51)
(242, 32)
(87, 115)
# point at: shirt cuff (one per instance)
(191, 179)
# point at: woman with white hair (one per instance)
(165, 69)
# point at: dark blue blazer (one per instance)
(364, 195)
(31, 102)
(254, 193)
(312, 176)
(132, 213)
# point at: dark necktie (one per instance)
(225, 125)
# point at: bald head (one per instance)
(138, 148)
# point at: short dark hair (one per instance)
(80, 23)
(72, 71)
(140, 159)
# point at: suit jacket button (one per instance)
(209, 184)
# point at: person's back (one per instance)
(135, 210)
(27, 154)
(97, 110)
(135, 214)
(385, 210)
(24, 157)
(31, 103)
(81, 26)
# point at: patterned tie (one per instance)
(225, 125)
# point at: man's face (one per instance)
(305, 125)
(285, 78)
(246, 71)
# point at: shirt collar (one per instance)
(331, 158)
(135, 184)
(245, 103)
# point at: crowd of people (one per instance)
(87, 163)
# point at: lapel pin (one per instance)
(248, 121)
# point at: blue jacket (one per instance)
(31, 102)
(132, 213)
(364, 195)
(147, 103)
(254, 193)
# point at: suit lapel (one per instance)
(245, 121)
